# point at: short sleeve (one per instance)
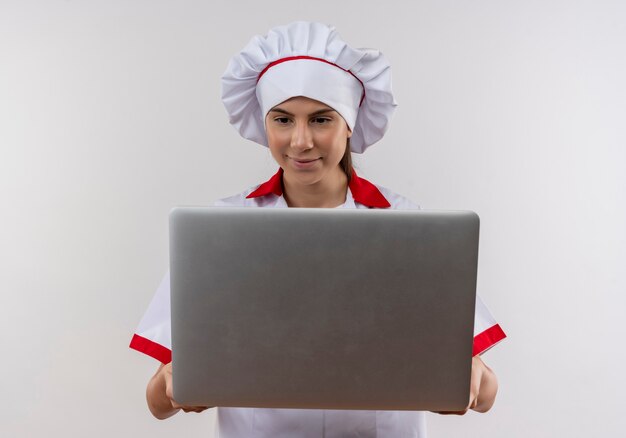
(487, 332)
(154, 335)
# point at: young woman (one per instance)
(312, 100)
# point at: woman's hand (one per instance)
(483, 389)
(169, 392)
(160, 395)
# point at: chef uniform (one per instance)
(307, 59)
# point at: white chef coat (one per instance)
(153, 337)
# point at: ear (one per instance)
(349, 131)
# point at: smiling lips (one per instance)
(304, 160)
(305, 163)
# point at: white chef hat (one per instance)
(309, 59)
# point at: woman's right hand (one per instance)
(160, 395)
(169, 392)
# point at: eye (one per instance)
(281, 120)
(322, 120)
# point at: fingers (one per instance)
(169, 388)
(196, 409)
(169, 392)
(473, 402)
(477, 375)
(186, 408)
(473, 399)
(463, 412)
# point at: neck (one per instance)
(329, 192)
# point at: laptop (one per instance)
(322, 308)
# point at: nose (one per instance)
(301, 138)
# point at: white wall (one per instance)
(110, 115)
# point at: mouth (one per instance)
(303, 163)
(304, 160)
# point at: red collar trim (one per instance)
(273, 185)
(366, 193)
(363, 191)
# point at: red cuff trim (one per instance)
(363, 191)
(151, 348)
(487, 339)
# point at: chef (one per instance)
(312, 100)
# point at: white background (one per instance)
(110, 115)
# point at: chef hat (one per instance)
(309, 59)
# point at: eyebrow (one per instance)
(282, 111)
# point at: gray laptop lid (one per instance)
(322, 308)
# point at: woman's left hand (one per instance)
(483, 389)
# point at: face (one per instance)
(307, 139)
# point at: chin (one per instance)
(305, 177)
